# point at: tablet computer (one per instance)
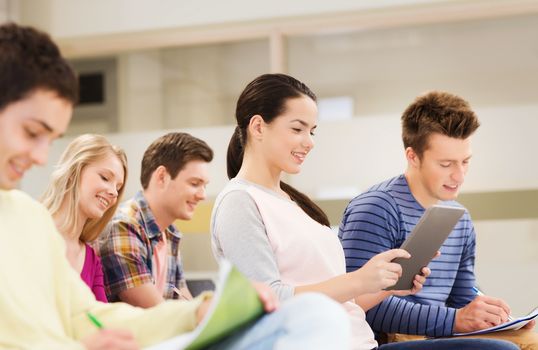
(425, 240)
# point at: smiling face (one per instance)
(440, 173)
(100, 183)
(27, 128)
(182, 194)
(287, 140)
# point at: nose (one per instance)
(459, 173)
(200, 194)
(308, 142)
(113, 191)
(40, 153)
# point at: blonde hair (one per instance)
(65, 182)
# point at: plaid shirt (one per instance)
(126, 250)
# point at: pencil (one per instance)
(94, 320)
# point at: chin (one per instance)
(8, 183)
(185, 216)
(7, 186)
(96, 216)
(449, 197)
(293, 170)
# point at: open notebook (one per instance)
(514, 324)
(234, 304)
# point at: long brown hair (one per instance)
(266, 96)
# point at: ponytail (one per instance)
(234, 157)
(306, 204)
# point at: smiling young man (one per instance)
(140, 255)
(437, 131)
(48, 310)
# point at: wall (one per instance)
(8, 10)
(491, 62)
(380, 70)
(507, 261)
(71, 18)
(3, 11)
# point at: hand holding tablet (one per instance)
(424, 241)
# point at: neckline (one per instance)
(263, 188)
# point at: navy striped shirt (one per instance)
(380, 219)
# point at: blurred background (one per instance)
(148, 67)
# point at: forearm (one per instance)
(397, 315)
(175, 317)
(341, 288)
(143, 296)
(368, 301)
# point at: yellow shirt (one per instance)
(43, 302)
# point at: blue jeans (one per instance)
(307, 321)
(452, 343)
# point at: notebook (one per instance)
(514, 324)
(234, 304)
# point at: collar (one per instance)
(153, 230)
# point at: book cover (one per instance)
(234, 304)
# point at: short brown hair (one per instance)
(29, 61)
(437, 112)
(173, 151)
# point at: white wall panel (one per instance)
(507, 262)
(68, 18)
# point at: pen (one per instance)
(178, 292)
(478, 292)
(94, 320)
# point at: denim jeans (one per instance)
(452, 343)
(307, 321)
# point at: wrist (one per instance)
(357, 281)
(456, 325)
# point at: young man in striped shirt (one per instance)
(437, 132)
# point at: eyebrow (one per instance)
(453, 160)
(302, 122)
(196, 178)
(45, 126)
(107, 170)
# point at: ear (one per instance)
(412, 157)
(256, 127)
(160, 177)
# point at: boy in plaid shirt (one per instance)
(140, 248)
